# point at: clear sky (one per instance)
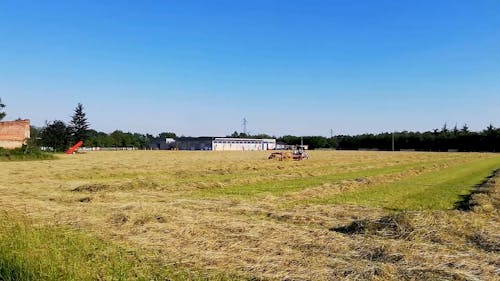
(289, 67)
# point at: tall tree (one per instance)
(79, 126)
(2, 113)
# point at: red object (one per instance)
(74, 147)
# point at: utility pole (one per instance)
(392, 140)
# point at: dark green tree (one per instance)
(79, 125)
(491, 138)
(55, 135)
(465, 129)
(2, 113)
(165, 135)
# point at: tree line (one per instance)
(443, 139)
(59, 136)
(436, 140)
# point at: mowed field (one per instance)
(178, 215)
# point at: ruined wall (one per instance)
(14, 134)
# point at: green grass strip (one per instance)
(434, 190)
(292, 185)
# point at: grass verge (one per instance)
(23, 154)
(30, 252)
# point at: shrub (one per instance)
(24, 153)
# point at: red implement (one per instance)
(74, 147)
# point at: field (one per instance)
(156, 215)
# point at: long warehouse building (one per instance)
(222, 144)
(213, 143)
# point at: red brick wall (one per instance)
(14, 133)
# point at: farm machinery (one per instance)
(74, 148)
(296, 153)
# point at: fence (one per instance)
(107, 148)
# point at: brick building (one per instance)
(14, 134)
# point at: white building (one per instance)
(221, 144)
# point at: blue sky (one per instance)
(289, 67)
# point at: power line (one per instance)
(244, 123)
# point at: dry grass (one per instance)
(242, 214)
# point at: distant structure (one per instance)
(221, 144)
(14, 134)
(284, 146)
(162, 144)
(192, 143)
(214, 143)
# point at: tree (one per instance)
(465, 129)
(491, 138)
(55, 135)
(444, 129)
(2, 113)
(165, 135)
(78, 125)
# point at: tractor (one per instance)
(297, 153)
